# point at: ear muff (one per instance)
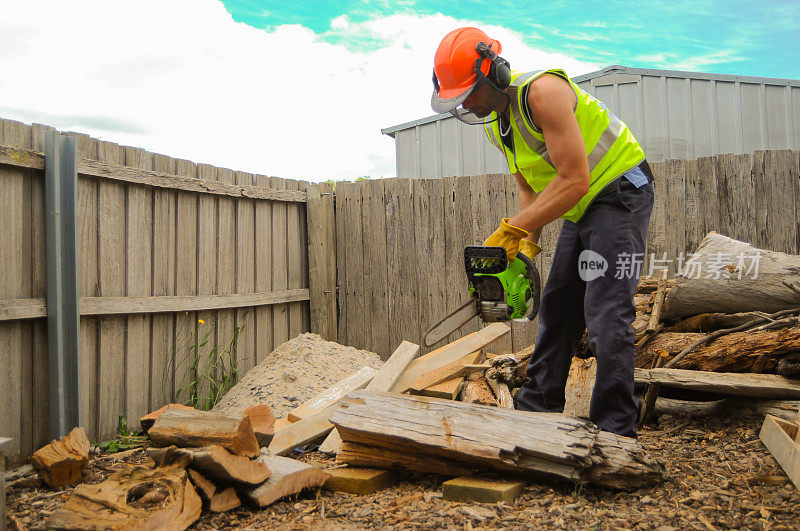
(499, 70)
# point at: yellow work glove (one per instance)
(529, 248)
(507, 237)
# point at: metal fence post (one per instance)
(61, 198)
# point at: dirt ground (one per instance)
(718, 476)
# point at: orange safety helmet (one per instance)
(465, 59)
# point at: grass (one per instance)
(125, 439)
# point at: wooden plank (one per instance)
(495, 210)
(297, 260)
(482, 490)
(656, 232)
(206, 284)
(424, 317)
(386, 378)
(17, 309)
(163, 273)
(726, 192)
(675, 213)
(448, 390)
(245, 275)
(445, 373)
(357, 315)
(263, 272)
(744, 214)
(705, 181)
(88, 281)
(301, 432)
(322, 260)
(226, 282)
(693, 205)
(138, 283)
(15, 282)
(776, 434)
(27, 158)
(331, 395)
(375, 271)
(41, 359)
(186, 255)
(111, 345)
(305, 307)
(280, 278)
(449, 353)
(356, 480)
(401, 257)
(437, 289)
(341, 264)
(458, 234)
(782, 198)
(740, 384)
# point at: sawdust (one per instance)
(295, 372)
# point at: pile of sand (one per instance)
(295, 372)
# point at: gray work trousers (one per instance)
(615, 227)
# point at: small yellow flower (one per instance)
(201, 321)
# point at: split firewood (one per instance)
(224, 500)
(195, 429)
(500, 389)
(331, 395)
(204, 487)
(218, 464)
(580, 384)
(288, 477)
(757, 385)
(263, 422)
(387, 430)
(735, 352)
(736, 289)
(148, 420)
(476, 390)
(61, 463)
(135, 498)
(709, 322)
(448, 390)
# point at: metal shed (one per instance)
(676, 115)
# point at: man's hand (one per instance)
(507, 237)
(529, 249)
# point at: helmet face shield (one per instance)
(469, 118)
(443, 105)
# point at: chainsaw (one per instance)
(499, 291)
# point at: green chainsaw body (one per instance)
(503, 290)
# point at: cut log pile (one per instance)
(729, 324)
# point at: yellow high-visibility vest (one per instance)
(611, 148)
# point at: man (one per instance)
(572, 159)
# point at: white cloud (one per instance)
(183, 78)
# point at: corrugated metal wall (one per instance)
(676, 115)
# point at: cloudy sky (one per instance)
(302, 90)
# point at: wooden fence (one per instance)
(169, 250)
(400, 241)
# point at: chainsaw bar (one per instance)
(452, 322)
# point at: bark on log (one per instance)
(441, 436)
(219, 464)
(195, 429)
(61, 463)
(694, 294)
(757, 385)
(136, 498)
(288, 477)
(736, 352)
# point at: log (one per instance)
(757, 385)
(331, 395)
(219, 464)
(386, 378)
(224, 500)
(446, 437)
(709, 322)
(734, 406)
(694, 294)
(449, 353)
(61, 463)
(476, 390)
(263, 422)
(135, 498)
(735, 352)
(148, 420)
(580, 384)
(301, 432)
(288, 477)
(204, 487)
(448, 390)
(196, 429)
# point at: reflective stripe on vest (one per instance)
(603, 134)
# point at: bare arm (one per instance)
(526, 198)
(552, 100)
